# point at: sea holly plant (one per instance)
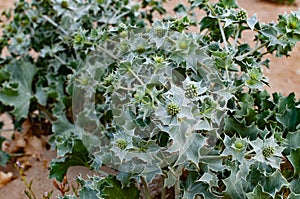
(38, 52)
(160, 102)
(191, 103)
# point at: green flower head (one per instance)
(121, 144)
(173, 109)
(64, 4)
(268, 151)
(241, 15)
(239, 144)
(191, 91)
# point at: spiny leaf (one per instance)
(78, 156)
(293, 140)
(293, 196)
(258, 193)
(295, 185)
(192, 188)
(294, 158)
(236, 183)
(274, 183)
(190, 149)
(18, 92)
(113, 189)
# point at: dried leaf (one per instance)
(34, 145)
(5, 178)
(17, 144)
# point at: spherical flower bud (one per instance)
(121, 144)
(69, 76)
(158, 59)
(84, 81)
(108, 80)
(64, 4)
(241, 15)
(173, 109)
(19, 40)
(268, 151)
(293, 25)
(191, 91)
(183, 44)
(160, 32)
(140, 48)
(239, 144)
(78, 39)
(124, 34)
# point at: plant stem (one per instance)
(121, 15)
(214, 157)
(222, 34)
(241, 57)
(249, 152)
(28, 187)
(135, 75)
(163, 191)
(147, 192)
(237, 88)
(126, 89)
(177, 184)
(60, 60)
(54, 24)
(108, 53)
(171, 40)
(236, 36)
(30, 194)
(45, 110)
(220, 27)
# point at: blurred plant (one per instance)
(289, 2)
(38, 39)
(29, 192)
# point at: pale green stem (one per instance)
(163, 190)
(214, 157)
(236, 37)
(126, 89)
(54, 24)
(177, 175)
(177, 184)
(220, 26)
(249, 152)
(237, 88)
(135, 75)
(121, 15)
(23, 178)
(223, 34)
(171, 40)
(147, 192)
(60, 60)
(108, 53)
(241, 57)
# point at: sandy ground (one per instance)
(284, 77)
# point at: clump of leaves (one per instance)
(194, 102)
(38, 40)
(186, 106)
